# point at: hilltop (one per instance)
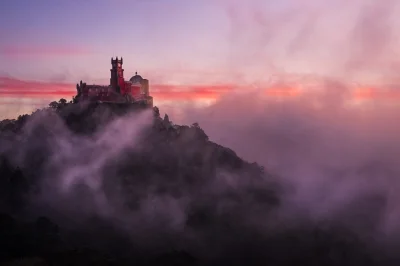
(111, 185)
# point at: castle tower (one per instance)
(117, 74)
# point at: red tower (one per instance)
(117, 74)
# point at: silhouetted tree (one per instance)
(53, 105)
(22, 119)
(62, 102)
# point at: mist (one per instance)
(336, 151)
(133, 179)
(329, 156)
(326, 162)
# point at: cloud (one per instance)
(320, 37)
(27, 88)
(11, 86)
(336, 164)
(189, 92)
(170, 97)
(43, 50)
(332, 156)
(15, 87)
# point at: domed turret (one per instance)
(136, 79)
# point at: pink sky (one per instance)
(240, 46)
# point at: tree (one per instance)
(53, 105)
(58, 105)
(156, 111)
(62, 102)
(22, 118)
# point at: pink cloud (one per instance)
(15, 87)
(26, 88)
(12, 87)
(42, 50)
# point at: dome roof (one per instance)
(135, 79)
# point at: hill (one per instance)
(111, 185)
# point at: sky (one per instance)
(197, 51)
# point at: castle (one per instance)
(134, 91)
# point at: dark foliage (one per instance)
(178, 162)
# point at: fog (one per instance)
(337, 151)
(332, 148)
(341, 160)
(335, 160)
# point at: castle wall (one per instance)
(139, 91)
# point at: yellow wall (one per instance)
(145, 86)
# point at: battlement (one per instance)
(116, 61)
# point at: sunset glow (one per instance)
(188, 58)
(377, 94)
(10, 87)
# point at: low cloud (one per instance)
(333, 155)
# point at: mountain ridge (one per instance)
(111, 185)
